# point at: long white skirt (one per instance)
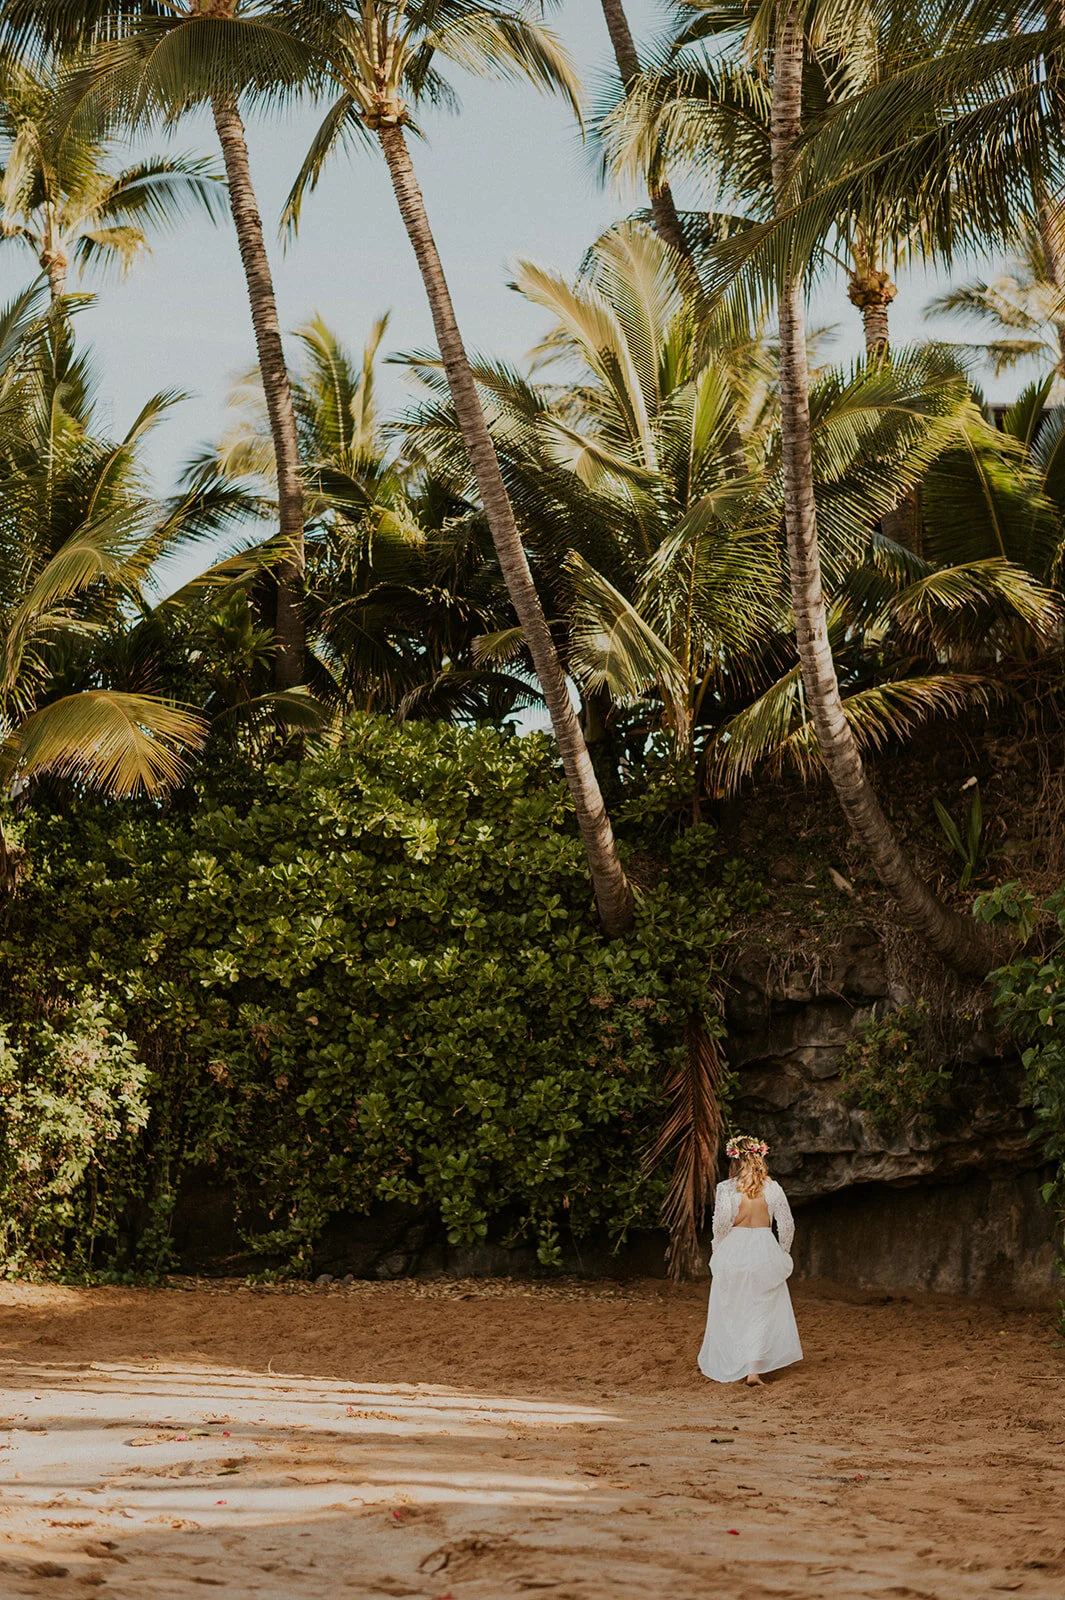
(750, 1326)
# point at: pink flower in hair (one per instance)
(742, 1144)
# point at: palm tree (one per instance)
(663, 207)
(78, 536)
(156, 60)
(59, 196)
(401, 577)
(626, 479)
(381, 60)
(956, 938)
(710, 114)
(964, 117)
(374, 60)
(618, 460)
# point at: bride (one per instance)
(750, 1326)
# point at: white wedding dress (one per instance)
(750, 1326)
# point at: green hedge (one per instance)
(373, 976)
(1030, 1000)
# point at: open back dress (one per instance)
(750, 1326)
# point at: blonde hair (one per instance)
(751, 1173)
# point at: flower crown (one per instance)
(742, 1144)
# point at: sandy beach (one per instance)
(467, 1441)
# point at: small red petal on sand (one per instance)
(859, 1477)
(734, 1530)
(220, 1502)
(181, 1438)
(398, 1515)
(225, 1433)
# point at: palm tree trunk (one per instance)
(875, 324)
(612, 892)
(1048, 217)
(54, 263)
(872, 291)
(668, 225)
(290, 631)
(53, 257)
(1049, 223)
(959, 940)
(667, 222)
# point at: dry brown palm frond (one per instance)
(692, 1134)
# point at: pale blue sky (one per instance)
(507, 178)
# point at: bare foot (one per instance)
(753, 1381)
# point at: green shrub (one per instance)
(376, 976)
(72, 1101)
(886, 1070)
(1030, 1001)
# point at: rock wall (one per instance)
(953, 1207)
(988, 1236)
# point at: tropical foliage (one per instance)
(1029, 992)
(61, 198)
(373, 978)
(401, 581)
(710, 559)
(1023, 308)
(78, 536)
(647, 473)
(888, 1071)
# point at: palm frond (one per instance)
(295, 710)
(500, 41)
(613, 647)
(122, 744)
(776, 730)
(691, 1135)
(966, 604)
(341, 128)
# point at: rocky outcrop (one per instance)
(988, 1235)
(951, 1205)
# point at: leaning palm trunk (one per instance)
(959, 940)
(1048, 217)
(612, 892)
(1049, 223)
(663, 208)
(289, 626)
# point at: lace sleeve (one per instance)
(780, 1211)
(724, 1211)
